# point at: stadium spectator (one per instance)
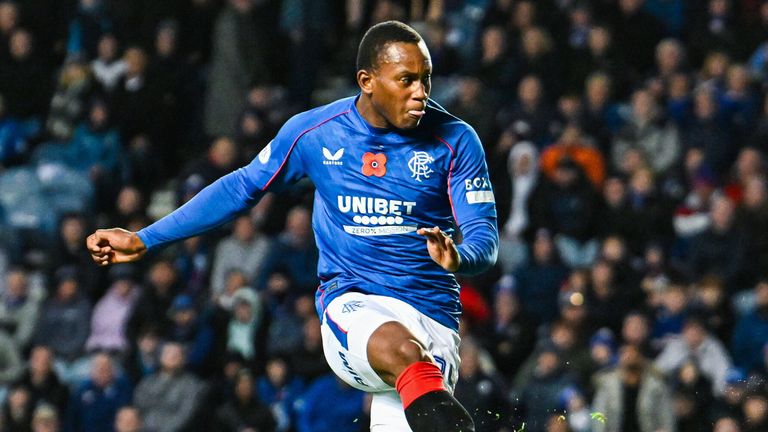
(168, 399)
(245, 250)
(152, 306)
(751, 332)
(65, 320)
(239, 60)
(482, 395)
(279, 389)
(538, 282)
(192, 331)
(512, 334)
(43, 383)
(329, 405)
(656, 141)
(19, 309)
(69, 103)
(244, 326)
(24, 78)
(696, 344)
(108, 67)
(128, 419)
(632, 397)
(245, 411)
(111, 313)
(295, 251)
(96, 400)
(45, 419)
(17, 410)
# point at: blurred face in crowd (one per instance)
(165, 43)
(642, 182)
(102, 372)
(529, 91)
(243, 311)
(669, 56)
(469, 360)
(172, 358)
(506, 306)
(635, 329)
(223, 153)
(493, 43)
(614, 192)
(716, 64)
(67, 290)
(40, 361)
(630, 6)
(675, 299)
(162, 276)
(98, 115)
(107, 48)
(242, 6)
(694, 334)
(599, 40)
(749, 163)
(598, 89)
(722, 214)
(21, 44)
(738, 79)
(761, 294)
(679, 86)
(277, 372)
(312, 334)
(244, 386)
(18, 400)
(602, 278)
(470, 90)
(128, 200)
(613, 249)
(135, 62)
(524, 15)
(536, 42)
(184, 317)
(546, 363)
(16, 284)
(726, 424)
(542, 248)
(235, 280)
(298, 223)
(755, 409)
(643, 105)
(244, 230)
(718, 7)
(305, 306)
(128, 420)
(73, 230)
(9, 17)
(397, 86)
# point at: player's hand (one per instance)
(115, 245)
(441, 248)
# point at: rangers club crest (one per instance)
(419, 165)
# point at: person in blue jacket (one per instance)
(397, 179)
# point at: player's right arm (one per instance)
(278, 165)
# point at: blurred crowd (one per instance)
(626, 141)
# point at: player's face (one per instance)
(400, 86)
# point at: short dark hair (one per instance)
(378, 37)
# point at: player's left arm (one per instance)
(473, 204)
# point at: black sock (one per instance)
(438, 411)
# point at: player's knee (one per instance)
(410, 351)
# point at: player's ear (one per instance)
(365, 81)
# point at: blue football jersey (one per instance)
(374, 189)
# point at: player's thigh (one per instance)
(347, 325)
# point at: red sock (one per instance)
(417, 380)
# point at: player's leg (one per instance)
(402, 361)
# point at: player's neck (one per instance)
(368, 112)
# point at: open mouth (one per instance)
(417, 114)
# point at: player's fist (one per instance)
(115, 245)
(441, 248)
